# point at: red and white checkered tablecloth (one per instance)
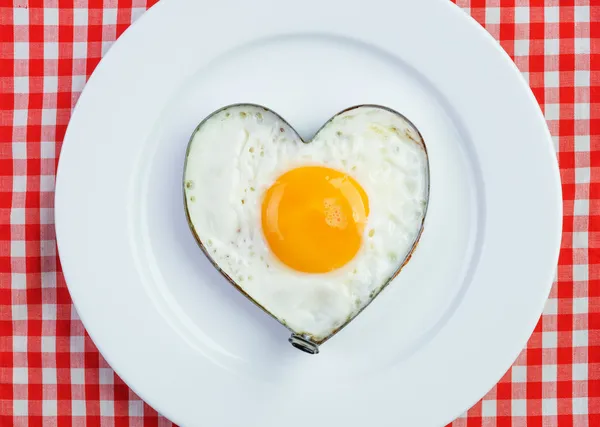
(50, 371)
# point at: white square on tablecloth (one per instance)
(78, 408)
(488, 408)
(20, 16)
(49, 408)
(20, 408)
(552, 111)
(46, 216)
(582, 13)
(49, 375)
(521, 47)
(582, 111)
(519, 374)
(80, 16)
(19, 119)
(17, 215)
(107, 408)
(580, 239)
(47, 183)
(19, 150)
(582, 78)
(77, 376)
(77, 344)
(580, 272)
(77, 83)
(580, 305)
(582, 143)
(19, 344)
(580, 338)
(79, 50)
(492, 15)
(106, 376)
(518, 408)
(581, 207)
(20, 376)
(48, 343)
(551, 46)
(49, 116)
(582, 45)
(136, 408)
(48, 247)
(21, 84)
(551, 306)
(19, 311)
(549, 407)
(19, 183)
(549, 373)
(551, 14)
(17, 248)
(49, 313)
(580, 405)
(551, 79)
(21, 50)
(18, 280)
(50, 50)
(109, 16)
(48, 279)
(50, 16)
(582, 175)
(47, 150)
(521, 15)
(580, 372)
(549, 339)
(50, 84)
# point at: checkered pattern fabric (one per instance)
(50, 371)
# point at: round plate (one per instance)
(439, 337)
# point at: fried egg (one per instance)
(310, 231)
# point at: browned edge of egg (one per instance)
(307, 336)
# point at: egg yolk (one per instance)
(313, 218)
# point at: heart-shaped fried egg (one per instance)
(310, 231)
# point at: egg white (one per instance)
(239, 152)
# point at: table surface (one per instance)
(50, 371)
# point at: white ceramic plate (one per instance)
(184, 339)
